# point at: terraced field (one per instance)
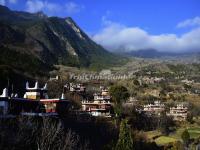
(173, 137)
(162, 140)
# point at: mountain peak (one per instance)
(50, 41)
(4, 9)
(41, 14)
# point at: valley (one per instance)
(62, 90)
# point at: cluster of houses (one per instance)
(100, 105)
(178, 112)
(72, 87)
(150, 80)
(36, 101)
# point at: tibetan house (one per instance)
(35, 101)
(179, 112)
(100, 106)
(155, 108)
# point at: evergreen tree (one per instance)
(119, 95)
(185, 137)
(190, 118)
(165, 122)
(125, 141)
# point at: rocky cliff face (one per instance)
(46, 41)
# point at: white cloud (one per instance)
(35, 6)
(52, 8)
(72, 7)
(12, 1)
(189, 23)
(2, 2)
(116, 36)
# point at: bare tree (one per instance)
(26, 131)
(42, 133)
(52, 137)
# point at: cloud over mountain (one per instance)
(52, 8)
(4, 2)
(72, 7)
(118, 37)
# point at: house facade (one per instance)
(100, 106)
(179, 112)
(156, 108)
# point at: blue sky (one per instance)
(151, 23)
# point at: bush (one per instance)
(185, 137)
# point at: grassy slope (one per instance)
(193, 130)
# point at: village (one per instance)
(37, 102)
(159, 107)
(99, 75)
